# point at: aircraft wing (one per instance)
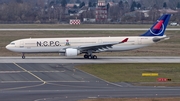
(100, 46)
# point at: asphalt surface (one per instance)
(63, 82)
(80, 59)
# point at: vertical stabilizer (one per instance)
(159, 27)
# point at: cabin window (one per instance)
(12, 43)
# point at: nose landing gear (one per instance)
(23, 56)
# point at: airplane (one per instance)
(89, 45)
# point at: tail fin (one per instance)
(159, 27)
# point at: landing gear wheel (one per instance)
(94, 57)
(86, 56)
(90, 57)
(23, 57)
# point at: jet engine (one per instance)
(72, 52)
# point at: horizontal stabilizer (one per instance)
(156, 39)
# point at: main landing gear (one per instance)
(90, 56)
(23, 56)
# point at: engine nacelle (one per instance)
(72, 52)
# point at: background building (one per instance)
(101, 11)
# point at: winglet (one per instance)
(125, 40)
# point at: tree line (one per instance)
(55, 11)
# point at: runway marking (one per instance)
(30, 73)
(22, 87)
(92, 97)
(74, 85)
(38, 81)
(14, 88)
(101, 79)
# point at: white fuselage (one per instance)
(55, 45)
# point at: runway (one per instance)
(64, 82)
(82, 29)
(80, 59)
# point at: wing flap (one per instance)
(101, 46)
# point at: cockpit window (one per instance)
(12, 43)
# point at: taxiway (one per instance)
(64, 82)
(80, 59)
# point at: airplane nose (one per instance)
(7, 47)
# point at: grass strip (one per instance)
(132, 72)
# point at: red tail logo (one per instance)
(158, 25)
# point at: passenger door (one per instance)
(139, 41)
(21, 44)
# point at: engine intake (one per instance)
(72, 52)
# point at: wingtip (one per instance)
(125, 40)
